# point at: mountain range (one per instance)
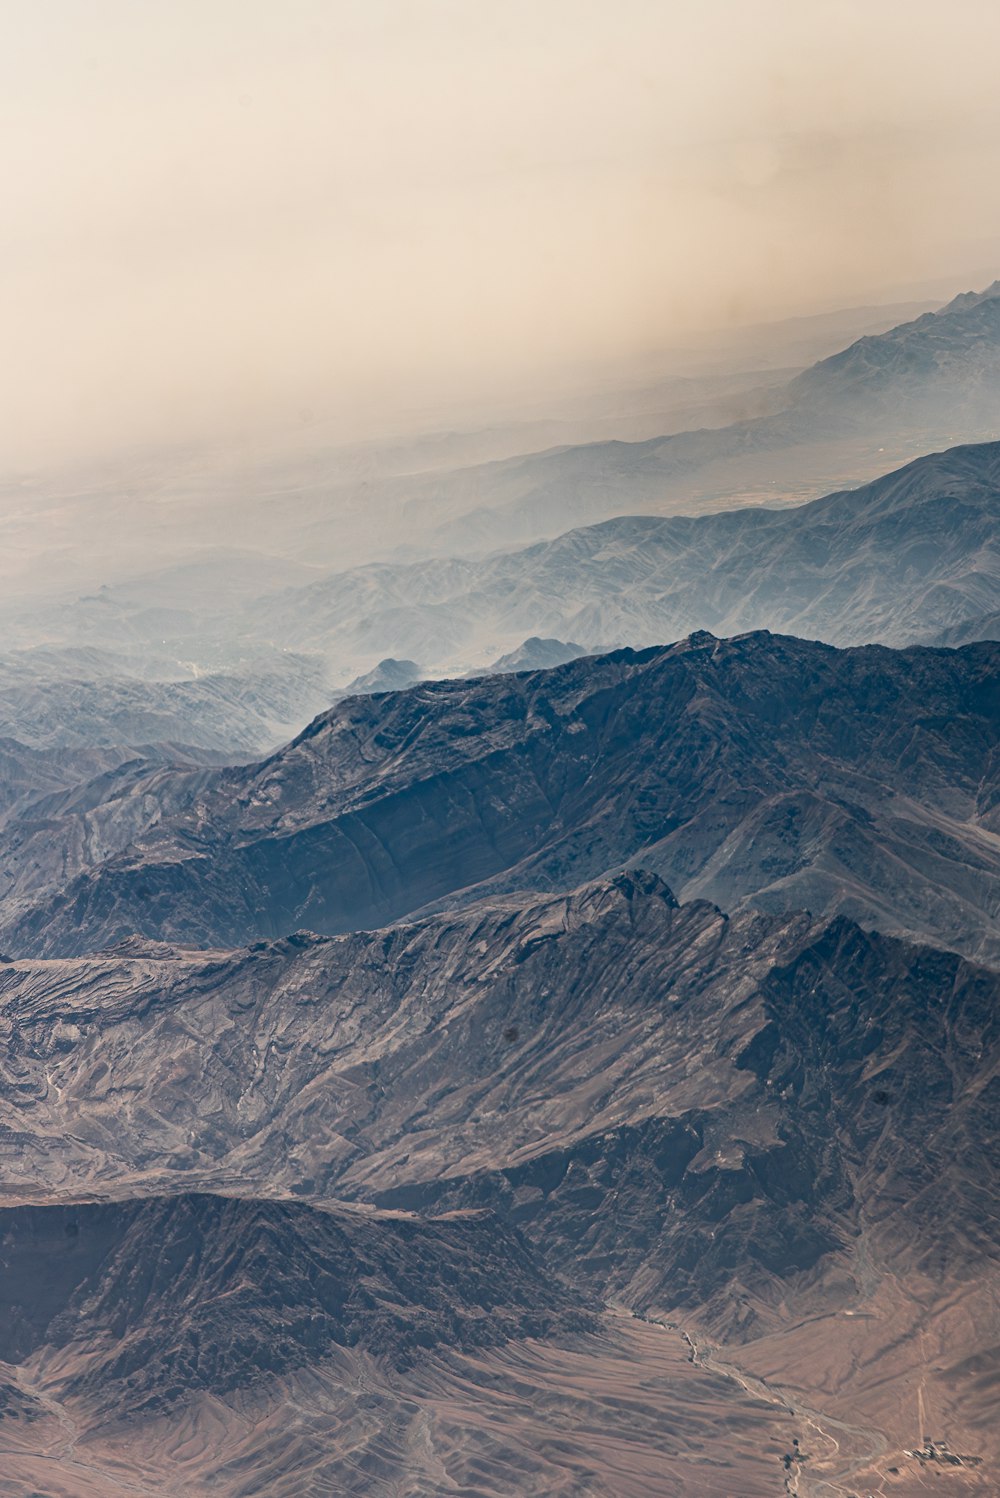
(524, 1177)
(908, 558)
(898, 561)
(219, 607)
(486, 1149)
(762, 768)
(930, 382)
(453, 1041)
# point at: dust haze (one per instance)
(499, 744)
(228, 219)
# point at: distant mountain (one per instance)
(33, 778)
(63, 699)
(931, 382)
(598, 1105)
(895, 561)
(948, 357)
(761, 768)
(536, 655)
(388, 676)
(306, 499)
(981, 627)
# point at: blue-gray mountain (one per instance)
(927, 383)
(912, 557)
(897, 561)
(948, 359)
(76, 699)
(763, 769)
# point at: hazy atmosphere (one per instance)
(499, 749)
(386, 214)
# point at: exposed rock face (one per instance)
(983, 627)
(757, 1123)
(463, 1203)
(90, 819)
(31, 778)
(712, 1073)
(761, 768)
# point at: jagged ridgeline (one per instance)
(527, 1129)
(352, 581)
(574, 1078)
(500, 751)
(763, 769)
(898, 560)
(441, 1162)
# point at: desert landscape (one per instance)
(500, 750)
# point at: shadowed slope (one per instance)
(760, 768)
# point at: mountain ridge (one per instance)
(928, 381)
(758, 1128)
(762, 768)
(895, 561)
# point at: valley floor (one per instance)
(624, 1412)
(642, 1409)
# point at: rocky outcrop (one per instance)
(535, 654)
(751, 1127)
(389, 675)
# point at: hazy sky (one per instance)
(220, 212)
